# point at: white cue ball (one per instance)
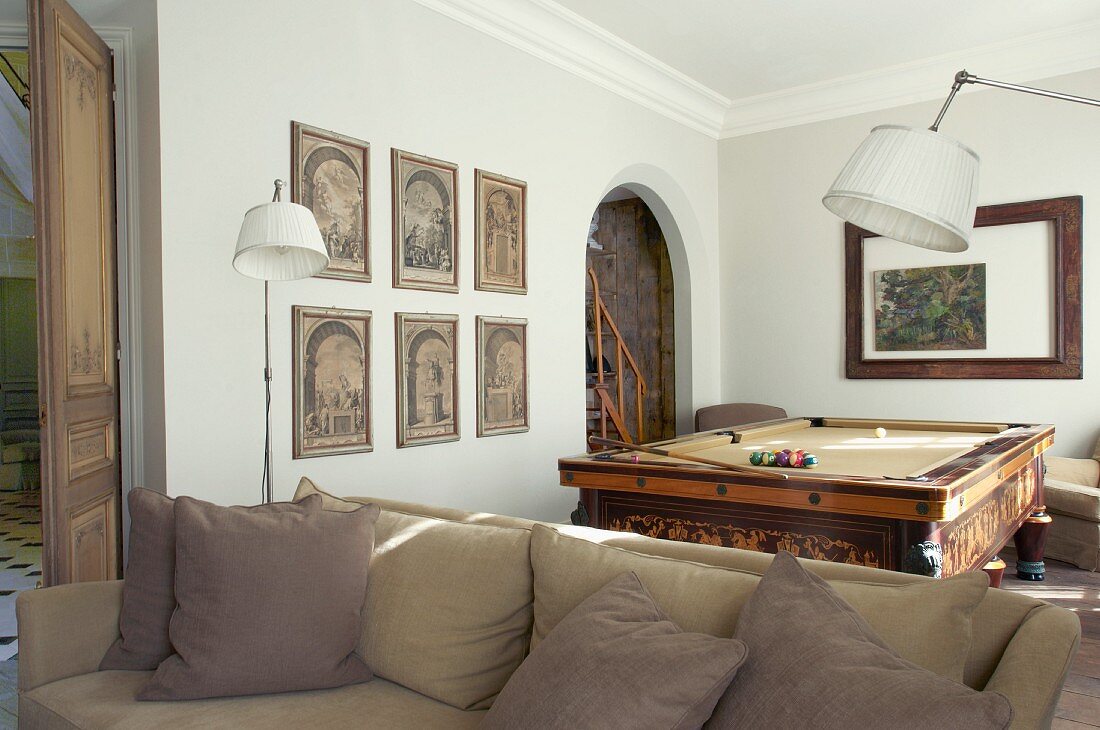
(880, 433)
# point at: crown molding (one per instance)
(1036, 56)
(559, 36)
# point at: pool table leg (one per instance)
(1031, 540)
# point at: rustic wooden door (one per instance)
(72, 136)
(635, 277)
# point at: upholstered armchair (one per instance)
(1072, 489)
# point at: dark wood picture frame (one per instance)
(308, 323)
(332, 147)
(1066, 363)
(433, 172)
(515, 330)
(487, 186)
(415, 331)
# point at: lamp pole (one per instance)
(278, 242)
(268, 489)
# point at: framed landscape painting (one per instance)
(425, 223)
(500, 230)
(331, 177)
(332, 403)
(930, 308)
(427, 378)
(502, 393)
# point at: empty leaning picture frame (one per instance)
(427, 378)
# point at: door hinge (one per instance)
(43, 410)
(118, 351)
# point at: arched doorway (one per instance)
(629, 257)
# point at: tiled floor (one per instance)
(20, 559)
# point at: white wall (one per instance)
(782, 265)
(395, 74)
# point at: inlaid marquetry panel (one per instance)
(90, 447)
(84, 94)
(92, 541)
(989, 524)
(727, 525)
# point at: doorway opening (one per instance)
(630, 334)
(20, 458)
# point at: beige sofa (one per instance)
(1072, 492)
(455, 602)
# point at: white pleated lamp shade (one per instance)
(912, 185)
(278, 242)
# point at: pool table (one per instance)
(929, 497)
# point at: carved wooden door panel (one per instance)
(72, 133)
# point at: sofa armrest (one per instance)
(64, 631)
(1035, 664)
(1085, 472)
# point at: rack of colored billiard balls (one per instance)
(798, 459)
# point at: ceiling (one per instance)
(742, 48)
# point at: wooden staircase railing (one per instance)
(608, 408)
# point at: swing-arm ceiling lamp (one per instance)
(915, 185)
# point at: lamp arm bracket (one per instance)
(965, 77)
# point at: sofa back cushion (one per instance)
(928, 623)
(697, 598)
(448, 610)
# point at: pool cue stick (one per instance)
(698, 459)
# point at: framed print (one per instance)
(331, 177)
(425, 223)
(427, 378)
(332, 400)
(1007, 307)
(500, 230)
(502, 404)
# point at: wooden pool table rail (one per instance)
(941, 494)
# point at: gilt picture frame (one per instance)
(330, 175)
(1058, 288)
(503, 404)
(427, 378)
(425, 222)
(500, 233)
(332, 381)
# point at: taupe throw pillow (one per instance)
(267, 601)
(815, 662)
(148, 594)
(616, 661)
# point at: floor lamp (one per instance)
(278, 242)
(918, 186)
